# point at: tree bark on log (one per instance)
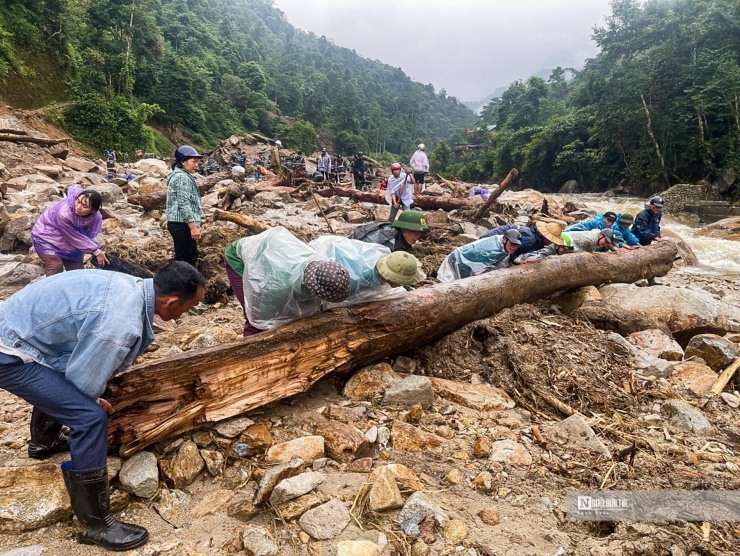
(512, 175)
(252, 225)
(425, 202)
(162, 398)
(36, 140)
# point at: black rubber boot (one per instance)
(88, 491)
(47, 437)
(653, 282)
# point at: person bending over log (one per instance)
(622, 225)
(67, 230)
(278, 278)
(533, 237)
(594, 241)
(375, 274)
(556, 247)
(479, 257)
(400, 235)
(61, 340)
(598, 222)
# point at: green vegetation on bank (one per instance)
(206, 69)
(660, 102)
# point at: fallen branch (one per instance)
(252, 225)
(36, 140)
(725, 377)
(425, 202)
(161, 398)
(482, 211)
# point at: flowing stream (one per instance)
(719, 256)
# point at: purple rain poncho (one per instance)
(59, 231)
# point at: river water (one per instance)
(717, 256)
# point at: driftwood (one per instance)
(425, 202)
(725, 377)
(493, 196)
(162, 398)
(37, 140)
(252, 225)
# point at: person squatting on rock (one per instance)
(66, 231)
(479, 257)
(592, 241)
(401, 235)
(278, 278)
(399, 192)
(183, 208)
(420, 166)
(61, 340)
(324, 164)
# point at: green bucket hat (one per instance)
(411, 220)
(400, 268)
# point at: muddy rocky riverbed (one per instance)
(467, 445)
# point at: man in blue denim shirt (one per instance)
(61, 340)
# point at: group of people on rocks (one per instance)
(63, 338)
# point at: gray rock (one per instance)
(140, 475)
(231, 428)
(418, 508)
(110, 192)
(686, 417)
(656, 343)
(716, 351)
(409, 391)
(214, 461)
(575, 433)
(293, 487)
(185, 465)
(685, 312)
(645, 363)
(275, 475)
(22, 275)
(325, 521)
(257, 541)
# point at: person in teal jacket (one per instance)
(598, 222)
(622, 225)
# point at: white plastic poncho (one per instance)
(474, 258)
(359, 258)
(274, 262)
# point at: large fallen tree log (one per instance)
(154, 197)
(37, 140)
(158, 399)
(425, 202)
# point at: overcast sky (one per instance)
(468, 47)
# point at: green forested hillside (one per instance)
(660, 102)
(204, 69)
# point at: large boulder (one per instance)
(33, 497)
(153, 165)
(685, 312)
(727, 228)
(657, 343)
(717, 352)
(82, 164)
(686, 255)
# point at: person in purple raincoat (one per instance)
(65, 232)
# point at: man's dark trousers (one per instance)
(51, 393)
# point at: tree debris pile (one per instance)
(528, 352)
